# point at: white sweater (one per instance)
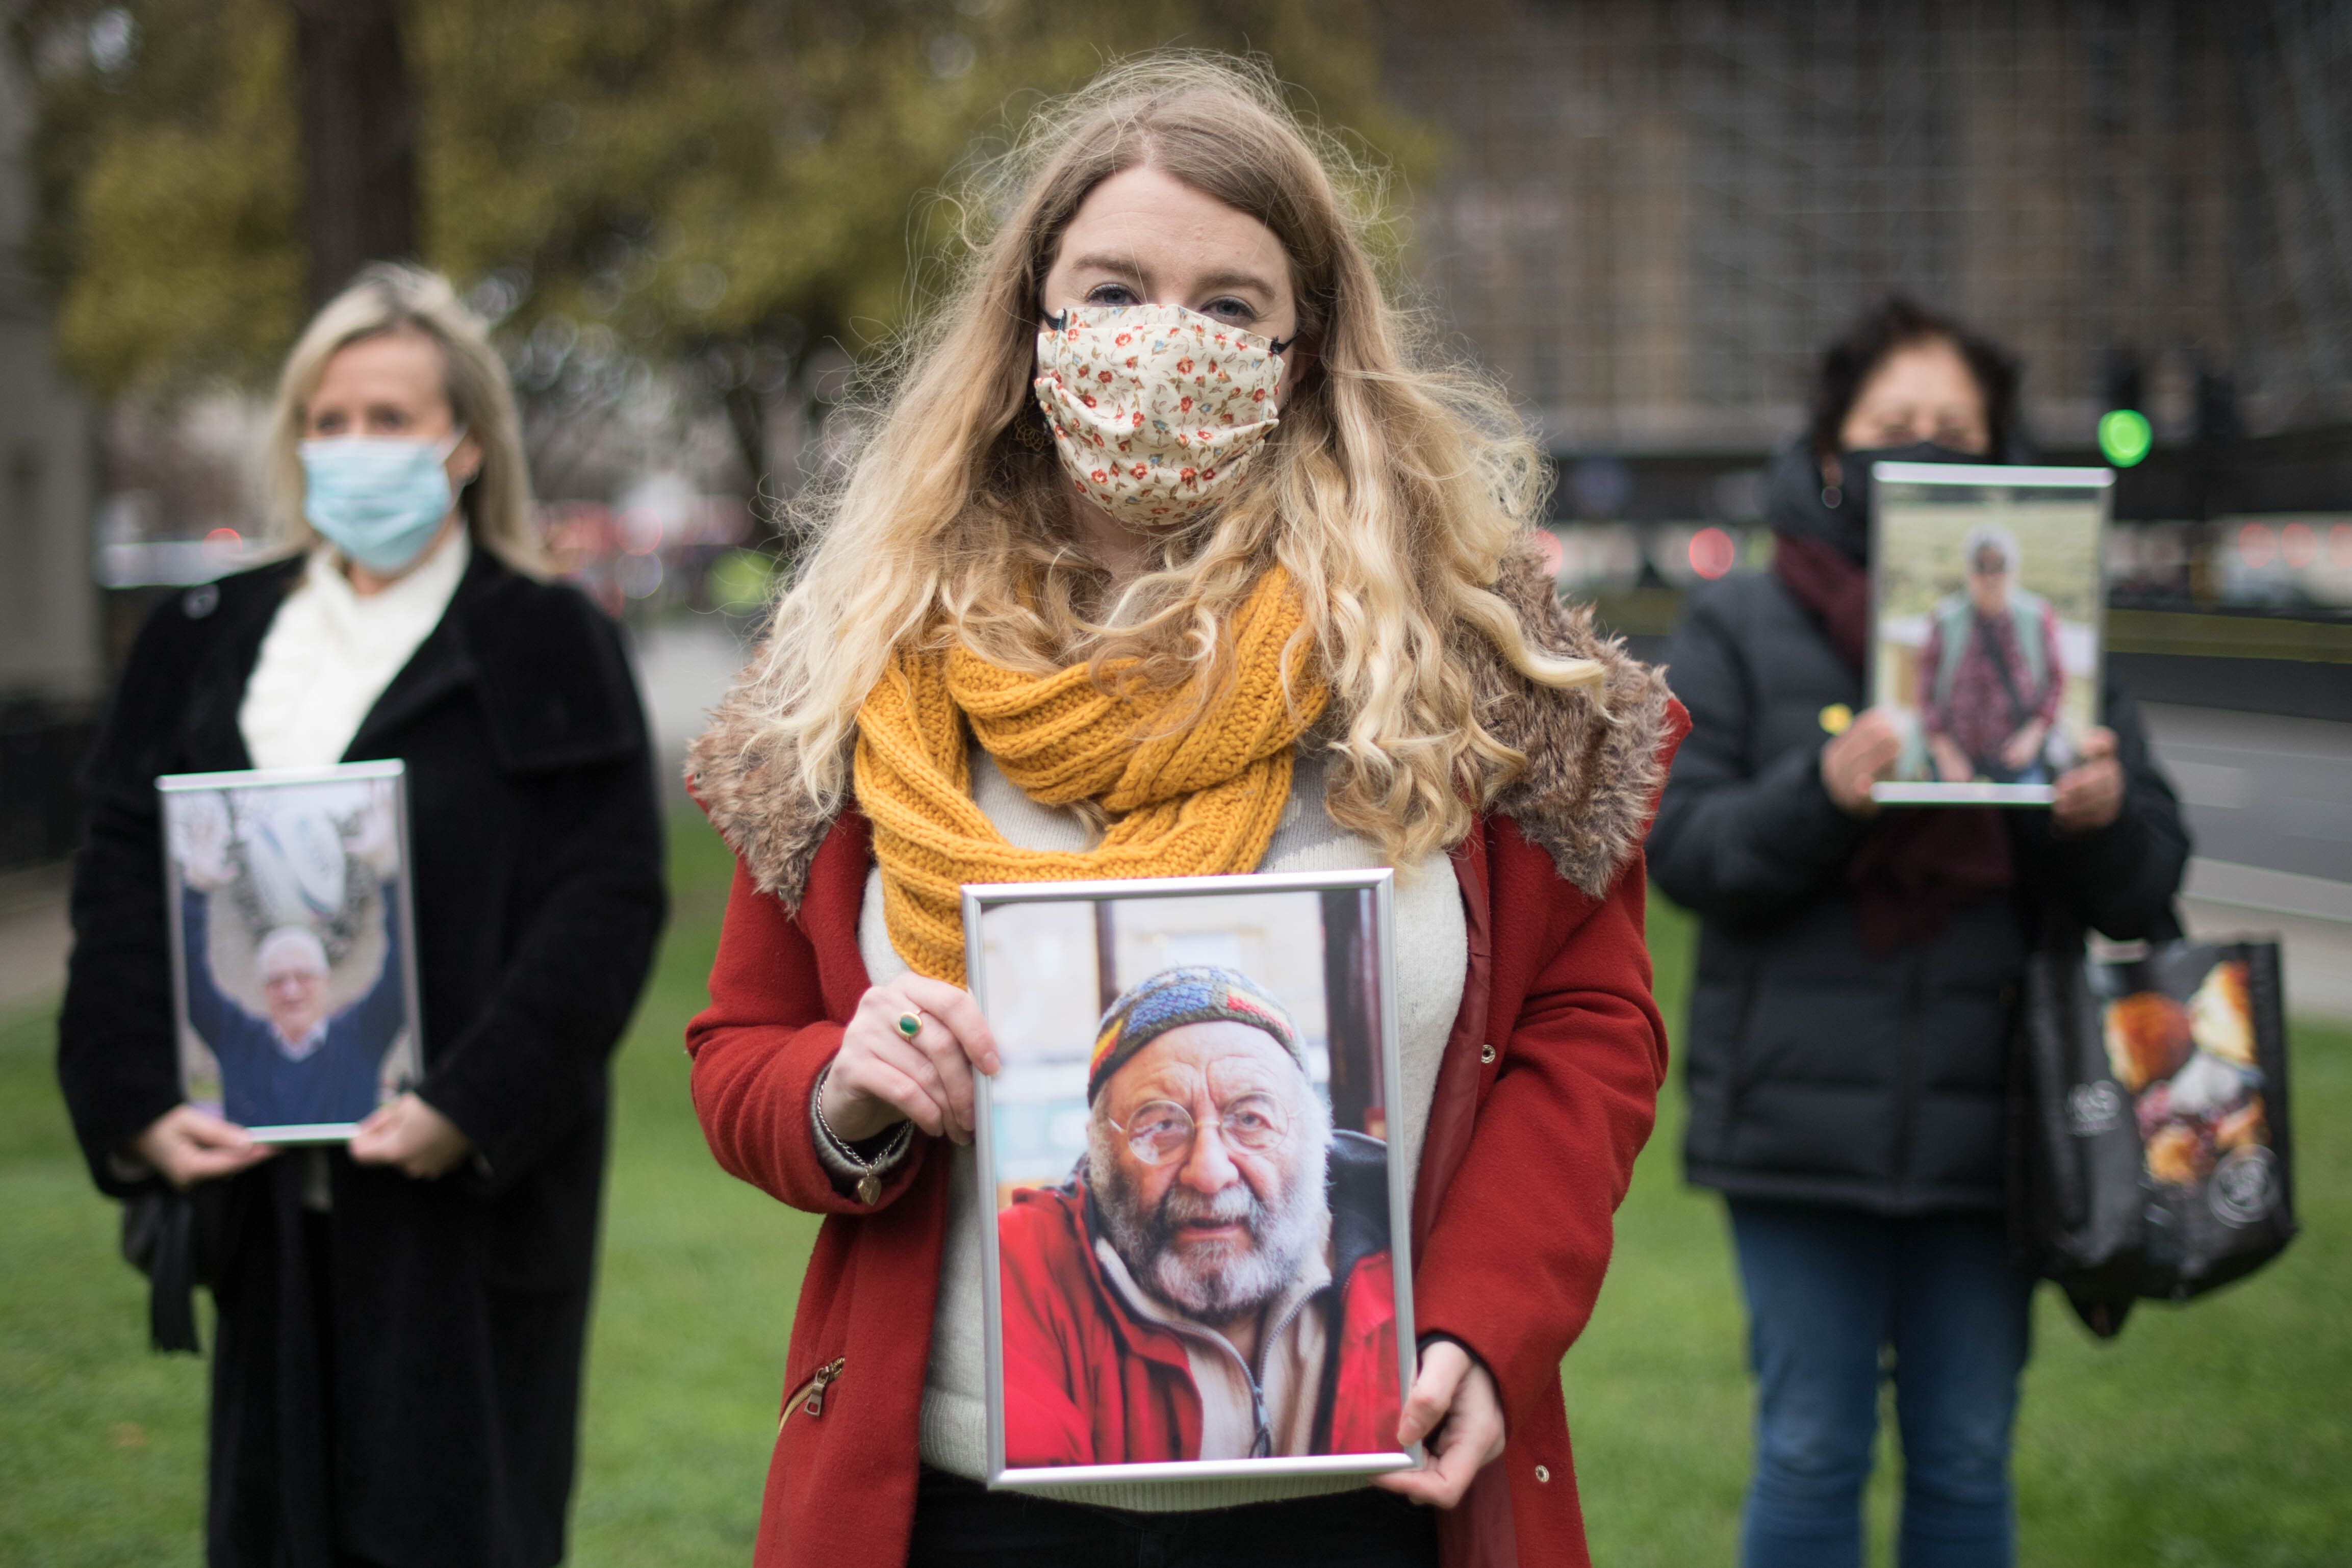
(331, 652)
(1433, 957)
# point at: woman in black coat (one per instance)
(1856, 972)
(401, 1321)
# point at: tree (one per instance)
(737, 188)
(359, 137)
(169, 188)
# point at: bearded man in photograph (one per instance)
(1213, 1282)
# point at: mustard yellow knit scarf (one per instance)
(1200, 800)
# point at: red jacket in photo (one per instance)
(1089, 1380)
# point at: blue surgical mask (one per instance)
(378, 501)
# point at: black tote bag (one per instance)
(2150, 1151)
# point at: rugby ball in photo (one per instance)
(295, 856)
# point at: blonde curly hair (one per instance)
(1392, 491)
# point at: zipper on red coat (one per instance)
(809, 1397)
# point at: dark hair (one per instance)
(1897, 322)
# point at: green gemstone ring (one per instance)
(910, 1024)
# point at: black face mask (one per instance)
(1849, 499)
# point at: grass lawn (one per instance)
(2220, 1432)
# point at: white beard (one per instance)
(1226, 1279)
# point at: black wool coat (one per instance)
(1819, 1069)
(399, 1379)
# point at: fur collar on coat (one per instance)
(1591, 780)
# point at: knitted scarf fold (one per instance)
(1197, 798)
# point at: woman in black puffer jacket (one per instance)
(1856, 972)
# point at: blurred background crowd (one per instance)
(694, 223)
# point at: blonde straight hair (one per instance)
(1391, 490)
(392, 297)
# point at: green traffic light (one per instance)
(2125, 436)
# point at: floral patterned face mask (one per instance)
(1156, 410)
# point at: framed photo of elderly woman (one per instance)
(1192, 1207)
(1987, 590)
(293, 961)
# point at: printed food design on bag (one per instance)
(2191, 1070)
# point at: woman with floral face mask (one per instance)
(401, 1321)
(1167, 554)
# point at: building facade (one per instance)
(1652, 213)
(52, 661)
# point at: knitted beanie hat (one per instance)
(1194, 993)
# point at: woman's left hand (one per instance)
(2090, 795)
(413, 1135)
(1455, 1404)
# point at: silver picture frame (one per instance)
(980, 900)
(1985, 489)
(401, 1063)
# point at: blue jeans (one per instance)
(1838, 1299)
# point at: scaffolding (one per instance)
(1654, 214)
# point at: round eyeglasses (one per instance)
(1159, 1131)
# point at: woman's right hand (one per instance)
(881, 1077)
(1857, 759)
(189, 1146)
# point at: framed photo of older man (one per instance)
(293, 959)
(1988, 592)
(1193, 1211)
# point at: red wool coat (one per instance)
(1088, 1381)
(1545, 1094)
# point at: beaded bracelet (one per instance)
(870, 1179)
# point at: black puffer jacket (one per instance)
(1820, 1071)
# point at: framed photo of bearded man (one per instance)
(293, 956)
(1987, 598)
(1195, 1212)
